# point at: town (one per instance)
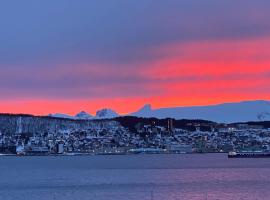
(30, 135)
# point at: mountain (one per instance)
(59, 115)
(83, 115)
(225, 113)
(145, 111)
(100, 114)
(106, 114)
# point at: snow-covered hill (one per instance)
(106, 114)
(83, 115)
(59, 115)
(227, 113)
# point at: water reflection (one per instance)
(145, 177)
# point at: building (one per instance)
(170, 127)
(60, 148)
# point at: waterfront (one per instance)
(138, 177)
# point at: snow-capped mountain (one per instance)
(145, 111)
(106, 114)
(59, 115)
(83, 115)
(100, 114)
(225, 113)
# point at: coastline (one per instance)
(106, 154)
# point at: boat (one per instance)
(253, 154)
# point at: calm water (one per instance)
(138, 177)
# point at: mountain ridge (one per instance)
(256, 110)
(104, 113)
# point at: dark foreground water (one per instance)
(138, 177)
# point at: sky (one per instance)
(67, 56)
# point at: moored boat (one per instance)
(255, 154)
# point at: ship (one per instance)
(253, 154)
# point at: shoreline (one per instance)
(105, 154)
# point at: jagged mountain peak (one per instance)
(145, 111)
(146, 107)
(106, 113)
(83, 115)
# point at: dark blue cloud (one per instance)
(37, 36)
(35, 32)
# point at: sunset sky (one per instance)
(67, 56)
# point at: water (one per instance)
(134, 177)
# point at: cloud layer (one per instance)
(59, 56)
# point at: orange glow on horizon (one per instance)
(123, 106)
(197, 73)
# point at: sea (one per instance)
(134, 177)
